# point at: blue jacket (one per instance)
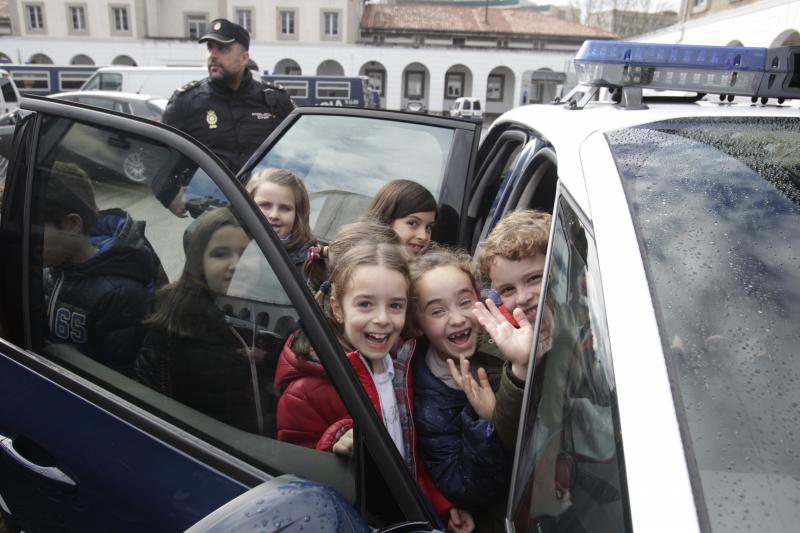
(98, 306)
(463, 453)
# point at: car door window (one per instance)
(491, 181)
(182, 315)
(345, 160)
(569, 473)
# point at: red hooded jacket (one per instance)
(311, 413)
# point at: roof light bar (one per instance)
(727, 70)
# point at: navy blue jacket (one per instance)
(98, 306)
(463, 453)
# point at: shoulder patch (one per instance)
(189, 86)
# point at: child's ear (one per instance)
(337, 310)
(73, 223)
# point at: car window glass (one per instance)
(569, 474)
(96, 101)
(467, 105)
(9, 95)
(343, 171)
(716, 204)
(181, 314)
(495, 182)
(110, 81)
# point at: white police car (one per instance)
(668, 401)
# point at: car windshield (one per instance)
(716, 206)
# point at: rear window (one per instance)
(467, 105)
(716, 203)
(477, 105)
(342, 172)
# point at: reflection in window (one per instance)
(716, 203)
(569, 462)
(186, 310)
(341, 182)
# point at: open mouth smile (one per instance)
(461, 338)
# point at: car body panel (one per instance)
(44, 431)
(639, 368)
(567, 129)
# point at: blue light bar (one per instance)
(706, 69)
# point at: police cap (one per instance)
(225, 31)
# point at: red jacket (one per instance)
(311, 413)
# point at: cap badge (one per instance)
(211, 118)
(217, 26)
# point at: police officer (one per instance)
(229, 111)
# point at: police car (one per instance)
(668, 401)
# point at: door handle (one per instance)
(51, 473)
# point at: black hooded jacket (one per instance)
(98, 305)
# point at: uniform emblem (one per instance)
(211, 118)
(217, 26)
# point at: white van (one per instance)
(155, 81)
(467, 107)
(9, 94)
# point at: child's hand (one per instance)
(460, 521)
(515, 343)
(479, 394)
(344, 446)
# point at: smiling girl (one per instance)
(465, 431)
(409, 209)
(366, 300)
(283, 200)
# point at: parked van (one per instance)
(9, 95)
(467, 107)
(155, 81)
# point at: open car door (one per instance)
(86, 442)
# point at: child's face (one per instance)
(519, 283)
(373, 310)
(61, 246)
(277, 204)
(415, 230)
(222, 255)
(446, 296)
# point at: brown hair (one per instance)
(69, 190)
(316, 270)
(518, 235)
(363, 254)
(398, 199)
(301, 232)
(182, 306)
(436, 256)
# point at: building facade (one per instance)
(434, 53)
(758, 23)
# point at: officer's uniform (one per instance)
(231, 123)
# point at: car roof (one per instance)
(115, 95)
(568, 129)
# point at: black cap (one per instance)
(225, 31)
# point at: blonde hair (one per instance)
(301, 231)
(518, 235)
